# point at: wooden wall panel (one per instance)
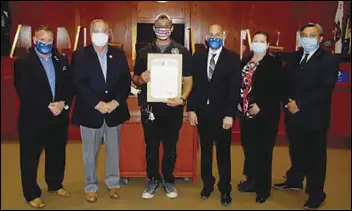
(118, 14)
(234, 16)
(150, 9)
(282, 16)
(52, 13)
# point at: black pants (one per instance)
(165, 127)
(211, 131)
(53, 139)
(258, 140)
(308, 159)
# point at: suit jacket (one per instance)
(223, 90)
(311, 88)
(33, 89)
(267, 84)
(91, 88)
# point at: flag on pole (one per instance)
(346, 44)
(243, 36)
(5, 28)
(298, 40)
(338, 28)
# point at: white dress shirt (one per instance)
(310, 54)
(210, 55)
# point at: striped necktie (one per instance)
(211, 66)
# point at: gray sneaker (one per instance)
(152, 187)
(170, 190)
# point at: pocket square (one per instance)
(64, 68)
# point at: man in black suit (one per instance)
(212, 107)
(311, 74)
(43, 85)
(102, 84)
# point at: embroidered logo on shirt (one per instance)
(175, 51)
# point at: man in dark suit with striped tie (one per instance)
(212, 107)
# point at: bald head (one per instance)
(215, 36)
(215, 31)
(215, 28)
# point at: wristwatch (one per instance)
(184, 100)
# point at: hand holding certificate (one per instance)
(165, 77)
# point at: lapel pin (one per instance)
(56, 58)
(110, 56)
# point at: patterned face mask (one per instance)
(43, 48)
(214, 43)
(162, 33)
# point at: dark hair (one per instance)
(320, 29)
(263, 33)
(42, 27)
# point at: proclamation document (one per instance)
(165, 77)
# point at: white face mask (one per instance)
(259, 48)
(100, 39)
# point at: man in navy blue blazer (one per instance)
(102, 84)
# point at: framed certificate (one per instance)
(165, 77)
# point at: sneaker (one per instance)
(152, 187)
(170, 190)
(287, 186)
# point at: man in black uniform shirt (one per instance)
(161, 121)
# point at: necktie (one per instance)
(304, 60)
(211, 66)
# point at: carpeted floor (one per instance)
(338, 185)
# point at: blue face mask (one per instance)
(214, 43)
(42, 47)
(258, 47)
(309, 44)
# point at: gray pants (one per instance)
(91, 139)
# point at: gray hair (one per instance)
(98, 21)
(319, 27)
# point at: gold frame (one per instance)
(178, 57)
